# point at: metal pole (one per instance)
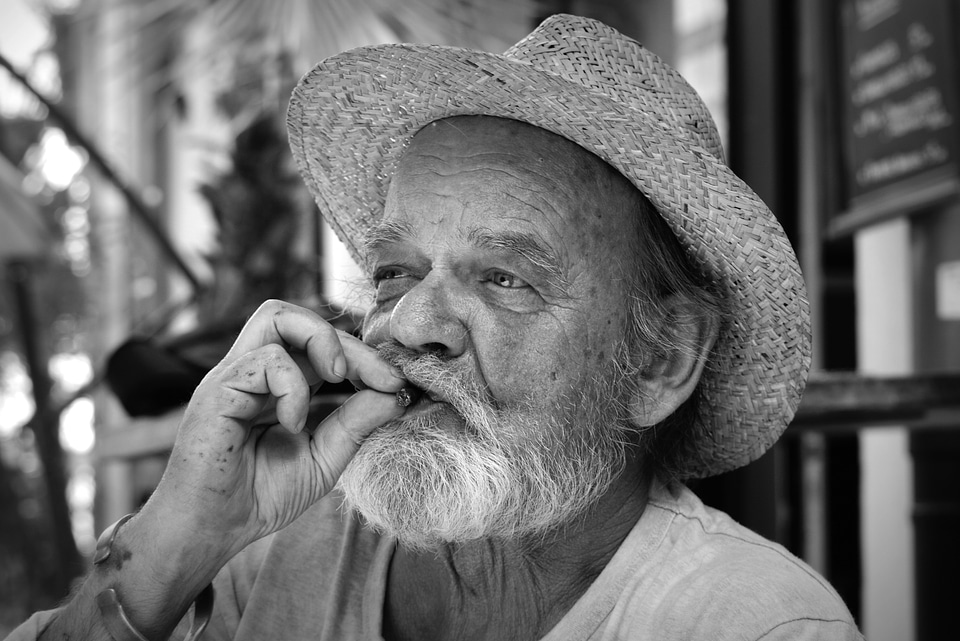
(45, 425)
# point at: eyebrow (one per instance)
(385, 233)
(526, 246)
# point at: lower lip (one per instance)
(423, 405)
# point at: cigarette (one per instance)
(407, 396)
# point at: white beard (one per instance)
(466, 470)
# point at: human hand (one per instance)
(231, 480)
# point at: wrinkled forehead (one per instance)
(516, 142)
(527, 161)
(482, 170)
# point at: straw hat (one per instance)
(351, 117)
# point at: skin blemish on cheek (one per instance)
(596, 356)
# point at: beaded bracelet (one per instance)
(115, 620)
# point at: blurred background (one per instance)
(148, 204)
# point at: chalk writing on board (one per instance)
(900, 104)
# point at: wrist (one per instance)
(136, 601)
(186, 523)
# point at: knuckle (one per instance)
(271, 306)
(273, 353)
(325, 335)
(268, 309)
(242, 369)
(233, 400)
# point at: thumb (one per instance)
(338, 437)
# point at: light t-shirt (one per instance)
(685, 571)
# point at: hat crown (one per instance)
(603, 60)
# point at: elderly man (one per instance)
(576, 305)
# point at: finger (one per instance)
(277, 322)
(339, 436)
(306, 367)
(363, 363)
(366, 366)
(266, 372)
(333, 354)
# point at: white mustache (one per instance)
(441, 380)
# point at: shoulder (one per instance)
(712, 575)
(33, 627)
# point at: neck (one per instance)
(496, 589)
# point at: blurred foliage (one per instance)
(286, 37)
(261, 213)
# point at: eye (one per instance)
(391, 282)
(506, 280)
(388, 273)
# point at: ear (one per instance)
(669, 380)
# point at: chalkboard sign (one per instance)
(900, 101)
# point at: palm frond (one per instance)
(286, 36)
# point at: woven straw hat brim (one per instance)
(352, 116)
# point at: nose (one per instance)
(429, 319)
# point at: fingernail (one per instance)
(340, 366)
